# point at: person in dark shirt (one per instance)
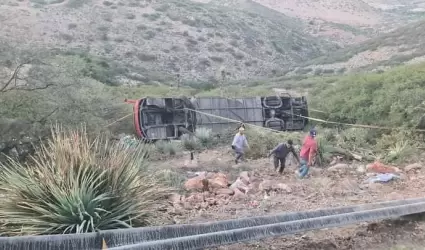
(280, 152)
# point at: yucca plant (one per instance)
(74, 184)
(400, 150)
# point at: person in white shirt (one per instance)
(239, 144)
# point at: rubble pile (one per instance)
(214, 189)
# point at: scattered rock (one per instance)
(201, 174)
(175, 198)
(226, 191)
(223, 196)
(254, 185)
(195, 198)
(211, 201)
(238, 195)
(254, 203)
(177, 210)
(266, 185)
(339, 167)
(218, 181)
(378, 167)
(204, 205)
(375, 186)
(244, 176)
(335, 160)
(198, 183)
(350, 185)
(282, 187)
(361, 169)
(187, 205)
(238, 184)
(413, 167)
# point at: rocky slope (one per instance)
(401, 46)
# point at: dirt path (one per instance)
(336, 186)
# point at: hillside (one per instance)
(155, 41)
(342, 21)
(92, 55)
(401, 46)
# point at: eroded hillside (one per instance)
(157, 40)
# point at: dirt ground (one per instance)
(338, 185)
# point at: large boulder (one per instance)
(218, 180)
(245, 177)
(240, 186)
(198, 183)
(238, 195)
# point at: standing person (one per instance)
(280, 152)
(307, 153)
(239, 144)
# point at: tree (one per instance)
(19, 81)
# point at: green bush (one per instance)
(204, 137)
(354, 138)
(190, 142)
(387, 99)
(167, 148)
(396, 146)
(75, 184)
(262, 141)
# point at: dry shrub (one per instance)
(261, 141)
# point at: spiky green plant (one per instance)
(75, 184)
(399, 151)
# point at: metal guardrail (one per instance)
(198, 236)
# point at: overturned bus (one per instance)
(169, 118)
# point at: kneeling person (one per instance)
(280, 153)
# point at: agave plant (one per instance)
(400, 150)
(74, 184)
